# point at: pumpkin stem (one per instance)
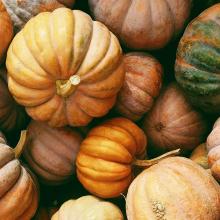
(20, 145)
(66, 87)
(148, 163)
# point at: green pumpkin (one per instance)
(197, 67)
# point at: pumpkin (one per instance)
(51, 152)
(197, 61)
(175, 188)
(143, 80)
(18, 189)
(87, 208)
(6, 31)
(143, 24)
(65, 86)
(173, 123)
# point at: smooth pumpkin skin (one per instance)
(175, 188)
(172, 123)
(143, 81)
(197, 61)
(51, 152)
(87, 208)
(104, 161)
(41, 72)
(143, 24)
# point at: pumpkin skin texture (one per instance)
(87, 208)
(65, 87)
(60, 144)
(172, 123)
(175, 188)
(156, 21)
(143, 80)
(197, 61)
(106, 155)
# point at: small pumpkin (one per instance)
(65, 86)
(18, 189)
(143, 24)
(87, 208)
(51, 152)
(173, 123)
(197, 62)
(143, 80)
(175, 188)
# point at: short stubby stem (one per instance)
(21, 144)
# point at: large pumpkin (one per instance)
(51, 152)
(65, 68)
(173, 123)
(143, 80)
(88, 208)
(197, 61)
(175, 188)
(143, 24)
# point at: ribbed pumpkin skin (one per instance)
(105, 157)
(175, 188)
(87, 208)
(143, 24)
(143, 80)
(39, 67)
(197, 62)
(18, 191)
(172, 123)
(51, 152)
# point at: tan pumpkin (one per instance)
(6, 31)
(173, 123)
(87, 208)
(51, 152)
(65, 86)
(18, 189)
(143, 80)
(175, 188)
(143, 24)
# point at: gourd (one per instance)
(143, 81)
(67, 86)
(197, 62)
(143, 24)
(87, 208)
(175, 188)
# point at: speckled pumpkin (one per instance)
(65, 68)
(143, 80)
(175, 188)
(198, 61)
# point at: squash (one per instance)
(51, 152)
(143, 80)
(143, 24)
(65, 86)
(197, 62)
(87, 208)
(173, 123)
(6, 31)
(18, 189)
(175, 188)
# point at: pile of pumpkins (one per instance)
(109, 110)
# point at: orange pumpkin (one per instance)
(65, 74)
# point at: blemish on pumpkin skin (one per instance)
(159, 210)
(159, 126)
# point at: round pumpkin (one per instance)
(197, 61)
(143, 24)
(172, 123)
(6, 31)
(18, 189)
(175, 188)
(87, 208)
(65, 68)
(143, 80)
(51, 152)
